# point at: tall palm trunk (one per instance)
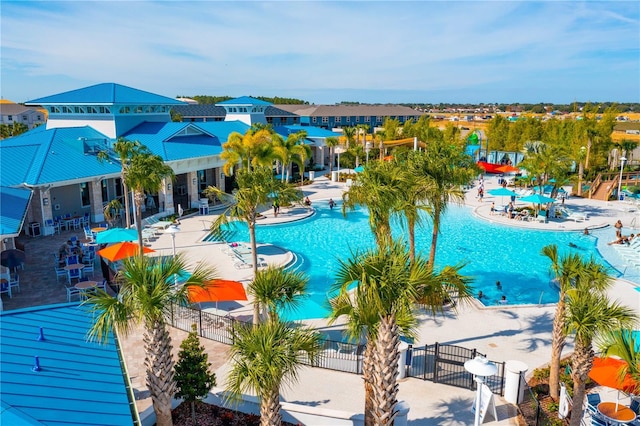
(558, 341)
(125, 188)
(159, 369)
(254, 260)
(437, 211)
(368, 364)
(270, 408)
(586, 161)
(386, 356)
(139, 198)
(581, 363)
(411, 229)
(330, 160)
(580, 177)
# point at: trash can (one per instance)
(204, 209)
(334, 176)
(402, 362)
(34, 229)
(514, 382)
(312, 175)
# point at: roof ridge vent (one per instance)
(41, 336)
(36, 366)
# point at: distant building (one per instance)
(11, 113)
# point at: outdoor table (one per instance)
(75, 266)
(98, 229)
(619, 415)
(84, 286)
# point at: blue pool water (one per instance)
(492, 252)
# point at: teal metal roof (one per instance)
(312, 131)
(79, 383)
(13, 209)
(42, 157)
(244, 100)
(179, 141)
(106, 94)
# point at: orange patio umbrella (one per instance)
(388, 158)
(507, 169)
(122, 250)
(606, 372)
(217, 291)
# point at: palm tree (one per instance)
(349, 134)
(265, 357)
(379, 187)
(624, 345)
(255, 188)
(589, 314)
(387, 284)
(145, 298)
(291, 150)
(254, 148)
(126, 150)
(447, 168)
(146, 172)
(331, 142)
(568, 270)
(276, 288)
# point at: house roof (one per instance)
(40, 157)
(79, 382)
(14, 109)
(13, 209)
(210, 110)
(105, 94)
(350, 110)
(179, 141)
(312, 131)
(244, 100)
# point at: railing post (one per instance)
(436, 355)
(200, 323)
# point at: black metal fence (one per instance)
(438, 363)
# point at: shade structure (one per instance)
(122, 250)
(359, 169)
(606, 372)
(116, 235)
(12, 258)
(537, 199)
(217, 291)
(507, 169)
(502, 192)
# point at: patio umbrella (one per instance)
(116, 235)
(122, 250)
(507, 169)
(359, 169)
(12, 258)
(607, 372)
(537, 199)
(217, 291)
(502, 192)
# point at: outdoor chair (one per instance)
(60, 272)
(5, 287)
(51, 224)
(72, 291)
(593, 399)
(72, 260)
(88, 269)
(14, 282)
(74, 274)
(348, 348)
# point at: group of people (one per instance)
(503, 298)
(621, 239)
(68, 249)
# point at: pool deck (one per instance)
(504, 333)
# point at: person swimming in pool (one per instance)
(332, 203)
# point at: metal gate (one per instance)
(445, 364)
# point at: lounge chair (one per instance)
(575, 216)
(524, 215)
(245, 261)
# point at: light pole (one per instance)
(622, 160)
(480, 367)
(173, 230)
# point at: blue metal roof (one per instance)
(41, 157)
(312, 131)
(105, 93)
(179, 141)
(244, 100)
(79, 382)
(13, 209)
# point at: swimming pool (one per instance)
(492, 252)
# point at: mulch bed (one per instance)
(212, 415)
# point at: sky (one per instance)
(327, 52)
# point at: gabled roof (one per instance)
(14, 109)
(312, 131)
(41, 157)
(350, 110)
(244, 100)
(105, 94)
(179, 141)
(13, 209)
(210, 110)
(79, 382)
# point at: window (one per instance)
(118, 183)
(66, 110)
(10, 117)
(349, 119)
(325, 119)
(338, 119)
(24, 118)
(367, 119)
(39, 118)
(92, 110)
(84, 194)
(105, 191)
(378, 119)
(314, 119)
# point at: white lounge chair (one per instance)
(575, 216)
